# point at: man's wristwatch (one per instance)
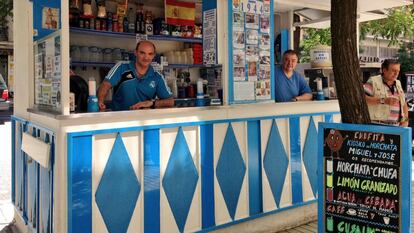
(382, 100)
(153, 104)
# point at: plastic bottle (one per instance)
(126, 24)
(319, 93)
(174, 87)
(109, 22)
(131, 21)
(140, 23)
(92, 99)
(200, 93)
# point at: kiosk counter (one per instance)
(167, 170)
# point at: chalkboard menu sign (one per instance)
(362, 180)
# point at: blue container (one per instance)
(200, 102)
(93, 104)
(320, 96)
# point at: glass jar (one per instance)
(116, 54)
(107, 55)
(75, 53)
(84, 53)
(93, 54)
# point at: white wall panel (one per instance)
(268, 200)
(283, 126)
(221, 213)
(240, 131)
(306, 186)
(101, 149)
(194, 215)
(167, 139)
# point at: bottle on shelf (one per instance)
(174, 88)
(74, 13)
(149, 27)
(125, 24)
(109, 22)
(200, 93)
(131, 21)
(120, 24)
(115, 23)
(92, 99)
(140, 23)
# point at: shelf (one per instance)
(132, 35)
(93, 64)
(110, 64)
(175, 66)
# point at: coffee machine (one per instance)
(328, 82)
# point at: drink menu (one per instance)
(361, 181)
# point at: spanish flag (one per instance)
(179, 13)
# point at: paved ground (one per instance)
(6, 208)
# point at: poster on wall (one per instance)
(244, 91)
(251, 49)
(50, 18)
(47, 70)
(210, 37)
(409, 94)
(238, 38)
(46, 18)
(363, 177)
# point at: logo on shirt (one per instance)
(129, 76)
(152, 84)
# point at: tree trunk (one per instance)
(348, 77)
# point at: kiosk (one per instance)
(249, 164)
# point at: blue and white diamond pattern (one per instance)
(279, 194)
(310, 154)
(309, 138)
(179, 164)
(124, 150)
(231, 171)
(275, 163)
(180, 180)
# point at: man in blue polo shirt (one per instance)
(289, 84)
(135, 84)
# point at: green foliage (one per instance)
(313, 37)
(406, 57)
(400, 22)
(6, 7)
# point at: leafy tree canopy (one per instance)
(6, 7)
(313, 37)
(399, 22)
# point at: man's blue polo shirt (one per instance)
(128, 89)
(288, 88)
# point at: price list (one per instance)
(361, 181)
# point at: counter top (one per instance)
(102, 120)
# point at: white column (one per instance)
(291, 29)
(23, 57)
